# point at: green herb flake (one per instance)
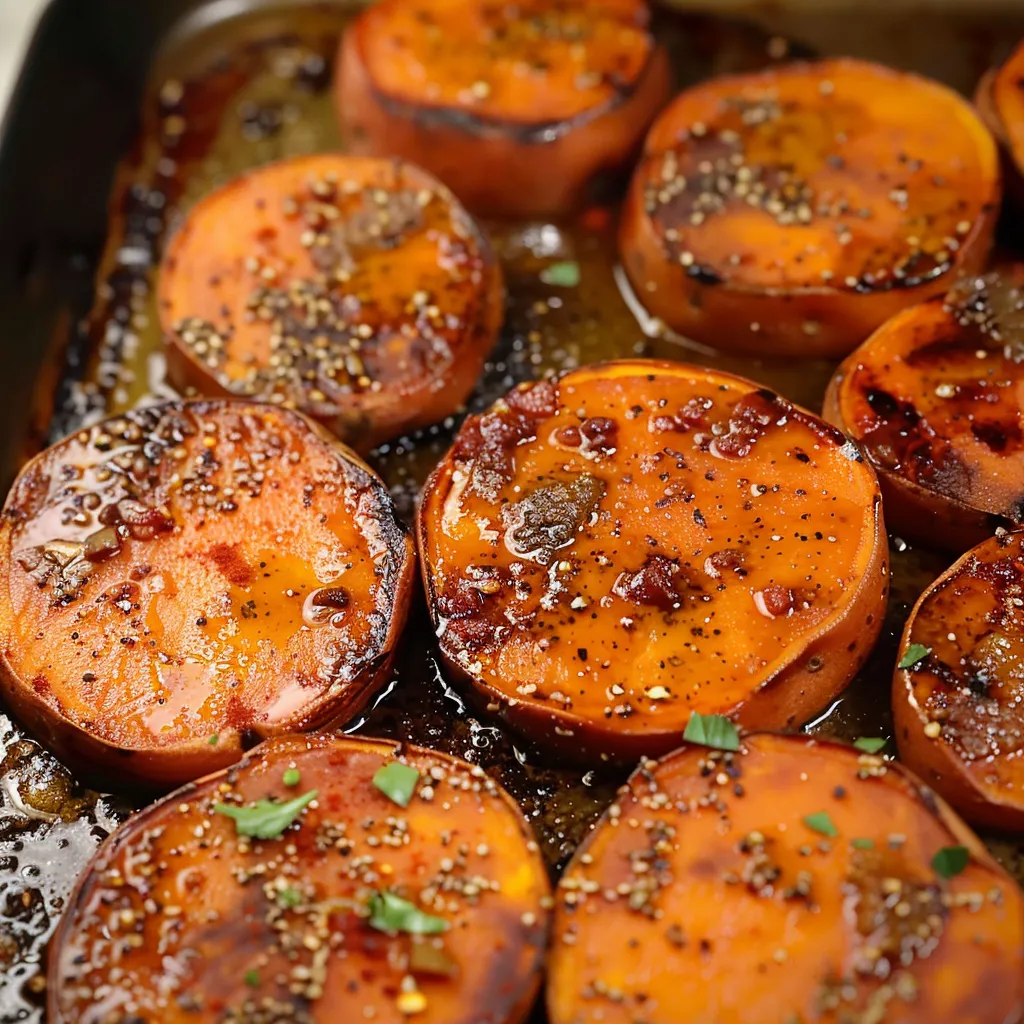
(714, 731)
(950, 861)
(252, 978)
(862, 844)
(397, 782)
(565, 274)
(291, 777)
(870, 744)
(265, 819)
(214, 740)
(822, 824)
(390, 913)
(915, 654)
(289, 898)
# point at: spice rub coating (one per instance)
(796, 880)
(187, 578)
(958, 690)
(321, 879)
(356, 290)
(793, 211)
(608, 552)
(521, 109)
(935, 397)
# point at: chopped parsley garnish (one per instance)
(252, 978)
(870, 744)
(214, 740)
(291, 777)
(390, 913)
(822, 824)
(565, 274)
(397, 782)
(712, 731)
(863, 844)
(915, 654)
(950, 861)
(289, 897)
(265, 819)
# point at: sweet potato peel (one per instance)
(181, 581)
(352, 908)
(607, 553)
(792, 212)
(796, 880)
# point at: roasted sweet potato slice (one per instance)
(183, 580)
(1000, 103)
(958, 692)
(320, 880)
(935, 398)
(521, 109)
(792, 212)
(795, 880)
(358, 291)
(608, 553)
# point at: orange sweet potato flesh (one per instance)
(521, 109)
(181, 581)
(959, 708)
(705, 896)
(935, 399)
(179, 919)
(1001, 105)
(607, 553)
(358, 291)
(793, 211)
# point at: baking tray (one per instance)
(125, 113)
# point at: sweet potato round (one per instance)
(358, 291)
(186, 579)
(607, 553)
(791, 882)
(959, 708)
(935, 400)
(793, 211)
(180, 919)
(1001, 106)
(521, 109)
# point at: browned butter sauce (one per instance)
(228, 95)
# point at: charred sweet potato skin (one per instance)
(607, 553)
(520, 110)
(188, 578)
(180, 919)
(793, 211)
(934, 398)
(356, 290)
(705, 896)
(959, 709)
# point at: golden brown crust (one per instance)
(186, 579)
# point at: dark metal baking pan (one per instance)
(124, 113)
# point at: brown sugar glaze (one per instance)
(231, 95)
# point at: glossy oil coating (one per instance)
(180, 919)
(607, 553)
(190, 577)
(791, 882)
(516, 107)
(793, 211)
(935, 398)
(959, 705)
(356, 290)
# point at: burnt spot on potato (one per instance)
(655, 516)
